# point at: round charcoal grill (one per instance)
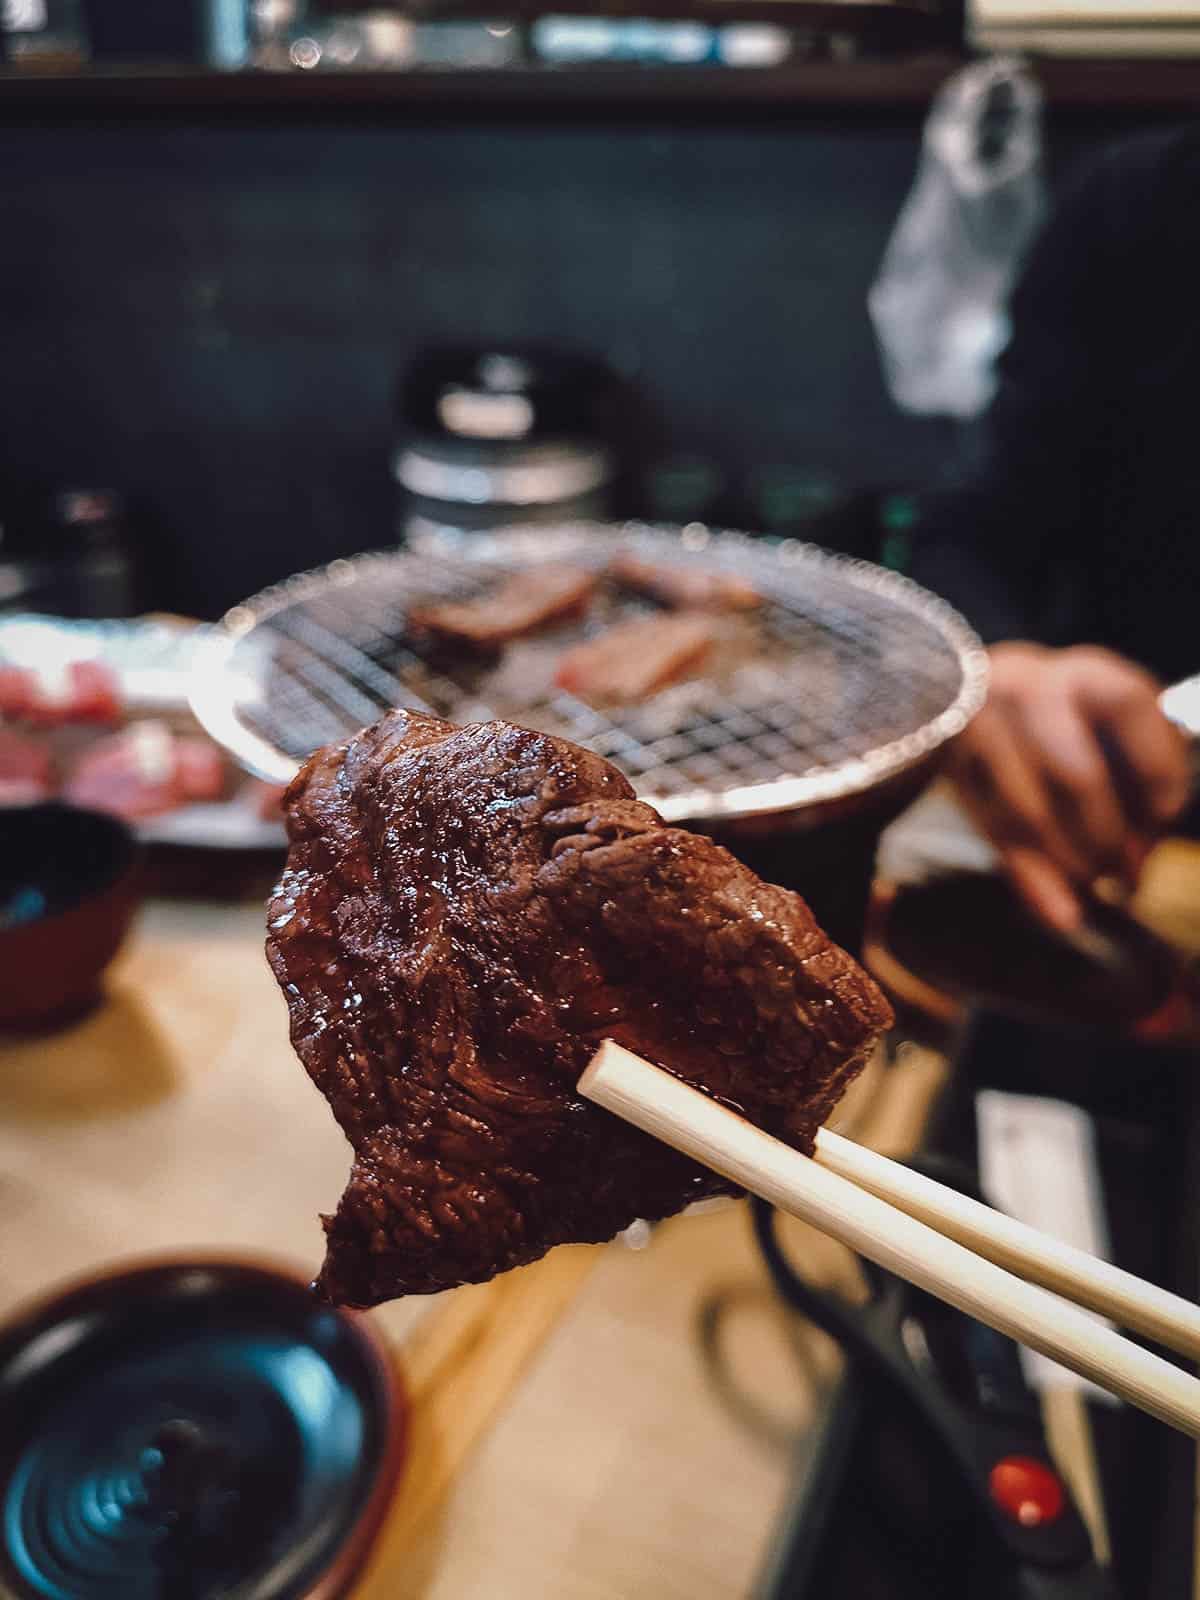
(846, 678)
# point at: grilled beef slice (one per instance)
(465, 915)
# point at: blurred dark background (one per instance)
(208, 310)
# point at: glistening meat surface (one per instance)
(465, 914)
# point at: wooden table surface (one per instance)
(568, 1442)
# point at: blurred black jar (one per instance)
(491, 437)
(67, 552)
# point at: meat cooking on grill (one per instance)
(465, 915)
(634, 659)
(522, 604)
(689, 588)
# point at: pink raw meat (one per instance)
(24, 760)
(17, 691)
(131, 774)
(146, 770)
(267, 799)
(86, 691)
(199, 768)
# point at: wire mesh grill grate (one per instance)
(846, 675)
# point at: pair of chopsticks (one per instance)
(944, 1242)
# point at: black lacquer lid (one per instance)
(191, 1430)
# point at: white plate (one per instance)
(153, 663)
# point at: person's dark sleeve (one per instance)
(1000, 537)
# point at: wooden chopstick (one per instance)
(1162, 1316)
(690, 1121)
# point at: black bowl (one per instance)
(966, 939)
(68, 895)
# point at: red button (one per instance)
(1027, 1491)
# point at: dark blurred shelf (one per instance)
(1123, 85)
(539, 91)
(533, 88)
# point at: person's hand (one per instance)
(1071, 769)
